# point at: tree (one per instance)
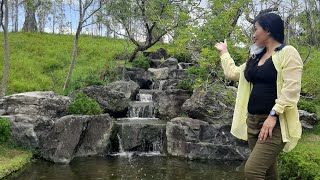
(30, 23)
(43, 12)
(14, 5)
(152, 19)
(5, 14)
(84, 15)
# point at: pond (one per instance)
(140, 166)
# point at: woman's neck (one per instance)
(272, 45)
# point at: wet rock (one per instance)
(308, 120)
(196, 139)
(74, 136)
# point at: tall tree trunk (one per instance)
(73, 58)
(16, 21)
(6, 50)
(30, 23)
(75, 47)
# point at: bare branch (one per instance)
(262, 12)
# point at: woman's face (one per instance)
(260, 36)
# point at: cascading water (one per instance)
(142, 109)
(141, 134)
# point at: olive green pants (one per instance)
(262, 162)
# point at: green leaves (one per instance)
(85, 105)
(4, 130)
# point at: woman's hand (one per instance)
(222, 47)
(267, 127)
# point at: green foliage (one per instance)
(12, 159)
(82, 104)
(297, 165)
(4, 130)
(182, 56)
(185, 85)
(141, 62)
(303, 162)
(122, 55)
(309, 106)
(311, 71)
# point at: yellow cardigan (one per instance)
(289, 65)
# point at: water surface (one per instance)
(131, 167)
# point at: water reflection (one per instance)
(115, 167)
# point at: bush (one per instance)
(298, 165)
(141, 62)
(182, 56)
(4, 130)
(185, 85)
(82, 104)
(307, 106)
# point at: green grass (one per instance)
(304, 161)
(41, 61)
(12, 159)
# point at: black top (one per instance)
(264, 90)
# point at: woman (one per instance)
(266, 113)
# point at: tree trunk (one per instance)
(16, 22)
(134, 54)
(73, 58)
(30, 23)
(75, 48)
(6, 50)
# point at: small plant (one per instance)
(185, 85)
(141, 62)
(4, 130)
(182, 56)
(307, 105)
(85, 105)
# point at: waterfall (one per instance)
(142, 109)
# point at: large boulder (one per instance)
(160, 53)
(74, 136)
(36, 103)
(28, 131)
(165, 84)
(308, 120)
(170, 63)
(32, 115)
(139, 135)
(212, 106)
(160, 73)
(129, 88)
(140, 76)
(196, 139)
(168, 103)
(111, 101)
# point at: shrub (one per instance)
(141, 62)
(307, 106)
(4, 130)
(182, 56)
(185, 85)
(82, 104)
(298, 165)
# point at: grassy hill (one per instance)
(41, 61)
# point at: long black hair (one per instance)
(273, 24)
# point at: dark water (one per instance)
(136, 167)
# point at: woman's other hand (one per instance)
(222, 47)
(267, 127)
